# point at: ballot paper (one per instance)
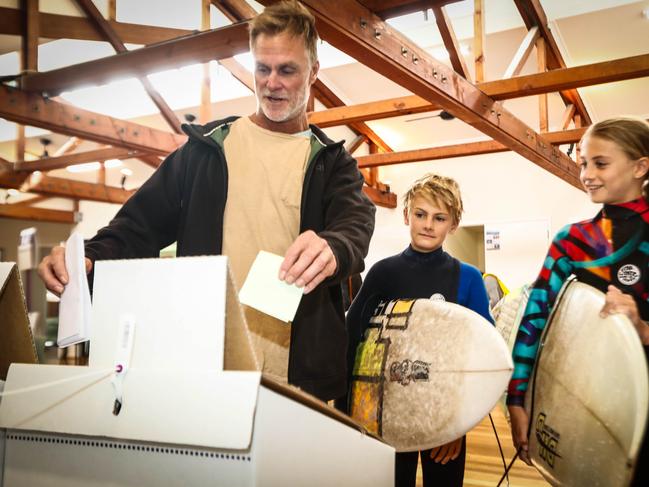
(74, 307)
(265, 292)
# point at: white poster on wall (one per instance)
(492, 240)
(514, 251)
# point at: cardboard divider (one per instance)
(16, 340)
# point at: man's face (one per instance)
(283, 76)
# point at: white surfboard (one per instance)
(588, 397)
(508, 313)
(427, 372)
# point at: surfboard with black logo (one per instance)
(427, 372)
(588, 397)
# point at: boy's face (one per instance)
(429, 224)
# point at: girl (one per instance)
(614, 157)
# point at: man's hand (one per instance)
(619, 302)
(445, 453)
(53, 271)
(520, 423)
(308, 261)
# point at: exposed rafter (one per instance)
(64, 188)
(533, 15)
(51, 163)
(104, 28)
(359, 33)
(38, 214)
(31, 201)
(560, 137)
(533, 84)
(54, 26)
(329, 99)
(196, 48)
(522, 54)
(386, 9)
(450, 42)
(33, 109)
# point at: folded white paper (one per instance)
(265, 292)
(74, 307)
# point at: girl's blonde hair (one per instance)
(438, 189)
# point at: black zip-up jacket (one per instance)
(184, 201)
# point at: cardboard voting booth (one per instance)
(193, 407)
(16, 342)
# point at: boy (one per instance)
(432, 210)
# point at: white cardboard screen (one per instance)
(162, 406)
(178, 306)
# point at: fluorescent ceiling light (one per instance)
(87, 167)
(112, 163)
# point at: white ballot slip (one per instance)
(265, 292)
(74, 308)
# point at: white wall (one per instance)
(502, 187)
(94, 216)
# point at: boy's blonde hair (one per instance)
(438, 189)
(288, 16)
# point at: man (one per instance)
(265, 182)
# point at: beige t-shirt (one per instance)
(262, 212)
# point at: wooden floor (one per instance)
(484, 465)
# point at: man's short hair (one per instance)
(437, 189)
(287, 16)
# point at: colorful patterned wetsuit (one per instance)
(612, 248)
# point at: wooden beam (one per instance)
(522, 54)
(104, 28)
(386, 199)
(112, 9)
(587, 75)
(30, 35)
(431, 154)
(567, 116)
(355, 144)
(151, 160)
(54, 26)
(101, 174)
(239, 72)
(51, 163)
(38, 214)
(205, 108)
(329, 99)
(479, 39)
(560, 137)
(33, 109)
(569, 78)
(450, 42)
(235, 10)
(69, 146)
(386, 9)
(31, 201)
(359, 33)
(533, 15)
(541, 65)
(65, 188)
(193, 49)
